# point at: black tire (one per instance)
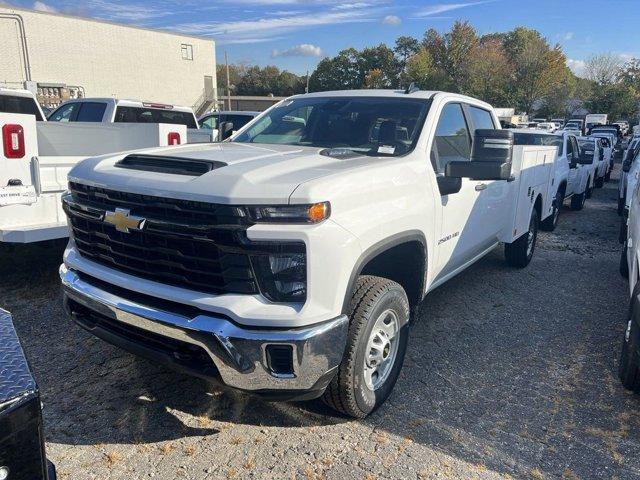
(622, 232)
(607, 176)
(624, 266)
(621, 203)
(550, 223)
(589, 190)
(520, 252)
(599, 182)
(629, 367)
(578, 200)
(348, 392)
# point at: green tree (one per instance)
(489, 72)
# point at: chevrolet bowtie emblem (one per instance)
(123, 221)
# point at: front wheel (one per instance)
(577, 201)
(589, 190)
(376, 346)
(520, 252)
(607, 176)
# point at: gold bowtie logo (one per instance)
(123, 221)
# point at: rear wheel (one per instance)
(621, 202)
(624, 266)
(519, 253)
(607, 176)
(629, 368)
(550, 223)
(577, 201)
(599, 182)
(376, 346)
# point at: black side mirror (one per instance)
(225, 129)
(449, 185)
(491, 157)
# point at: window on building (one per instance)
(187, 51)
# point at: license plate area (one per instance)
(17, 195)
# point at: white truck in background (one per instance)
(35, 158)
(288, 262)
(113, 110)
(593, 119)
(20, 101)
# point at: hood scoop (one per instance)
(165, 164)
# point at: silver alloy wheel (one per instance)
(382, 349)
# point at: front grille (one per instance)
(194, 245)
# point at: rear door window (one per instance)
(91, 112)
(17, 104)
(65, 113)
(153, 115)
(238, 121)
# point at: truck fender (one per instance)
(380, 247)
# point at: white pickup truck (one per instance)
(289, 261)
(36, 157)
(113, 110)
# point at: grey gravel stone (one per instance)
(509, 374)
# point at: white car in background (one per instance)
(547, 126)
(627, 160)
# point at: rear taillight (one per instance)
(173, 138)
(13, 141)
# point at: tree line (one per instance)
(518, 69)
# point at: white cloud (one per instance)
(302, 50)
(43, 7)
(236, 31)
(567, 36)
(119, 11)
(446, 7)
(391, 20)
(576, 66)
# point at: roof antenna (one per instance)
(411, 89)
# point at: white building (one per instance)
(62, 56)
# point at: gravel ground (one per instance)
(510, 374)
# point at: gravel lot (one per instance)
(510, 374)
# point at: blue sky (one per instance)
(296, 34)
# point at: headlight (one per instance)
(282, 276)
(305, 213)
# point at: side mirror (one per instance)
(225, 129)
(491, 157)
(449, 185)
(586, 158)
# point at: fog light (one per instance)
(282, 277)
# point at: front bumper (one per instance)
(291, 363)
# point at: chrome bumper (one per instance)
(239, 354)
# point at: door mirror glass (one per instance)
(491, 157)
(225, 131)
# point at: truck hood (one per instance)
(253, 174)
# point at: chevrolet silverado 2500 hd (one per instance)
(289, 261)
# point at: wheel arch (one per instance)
(380, 259)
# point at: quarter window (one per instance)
(452, 140)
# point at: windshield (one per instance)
(154, 115)
(368, 125)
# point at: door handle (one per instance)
(481, 186)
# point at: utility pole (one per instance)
(306, 89)
(226, 61)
